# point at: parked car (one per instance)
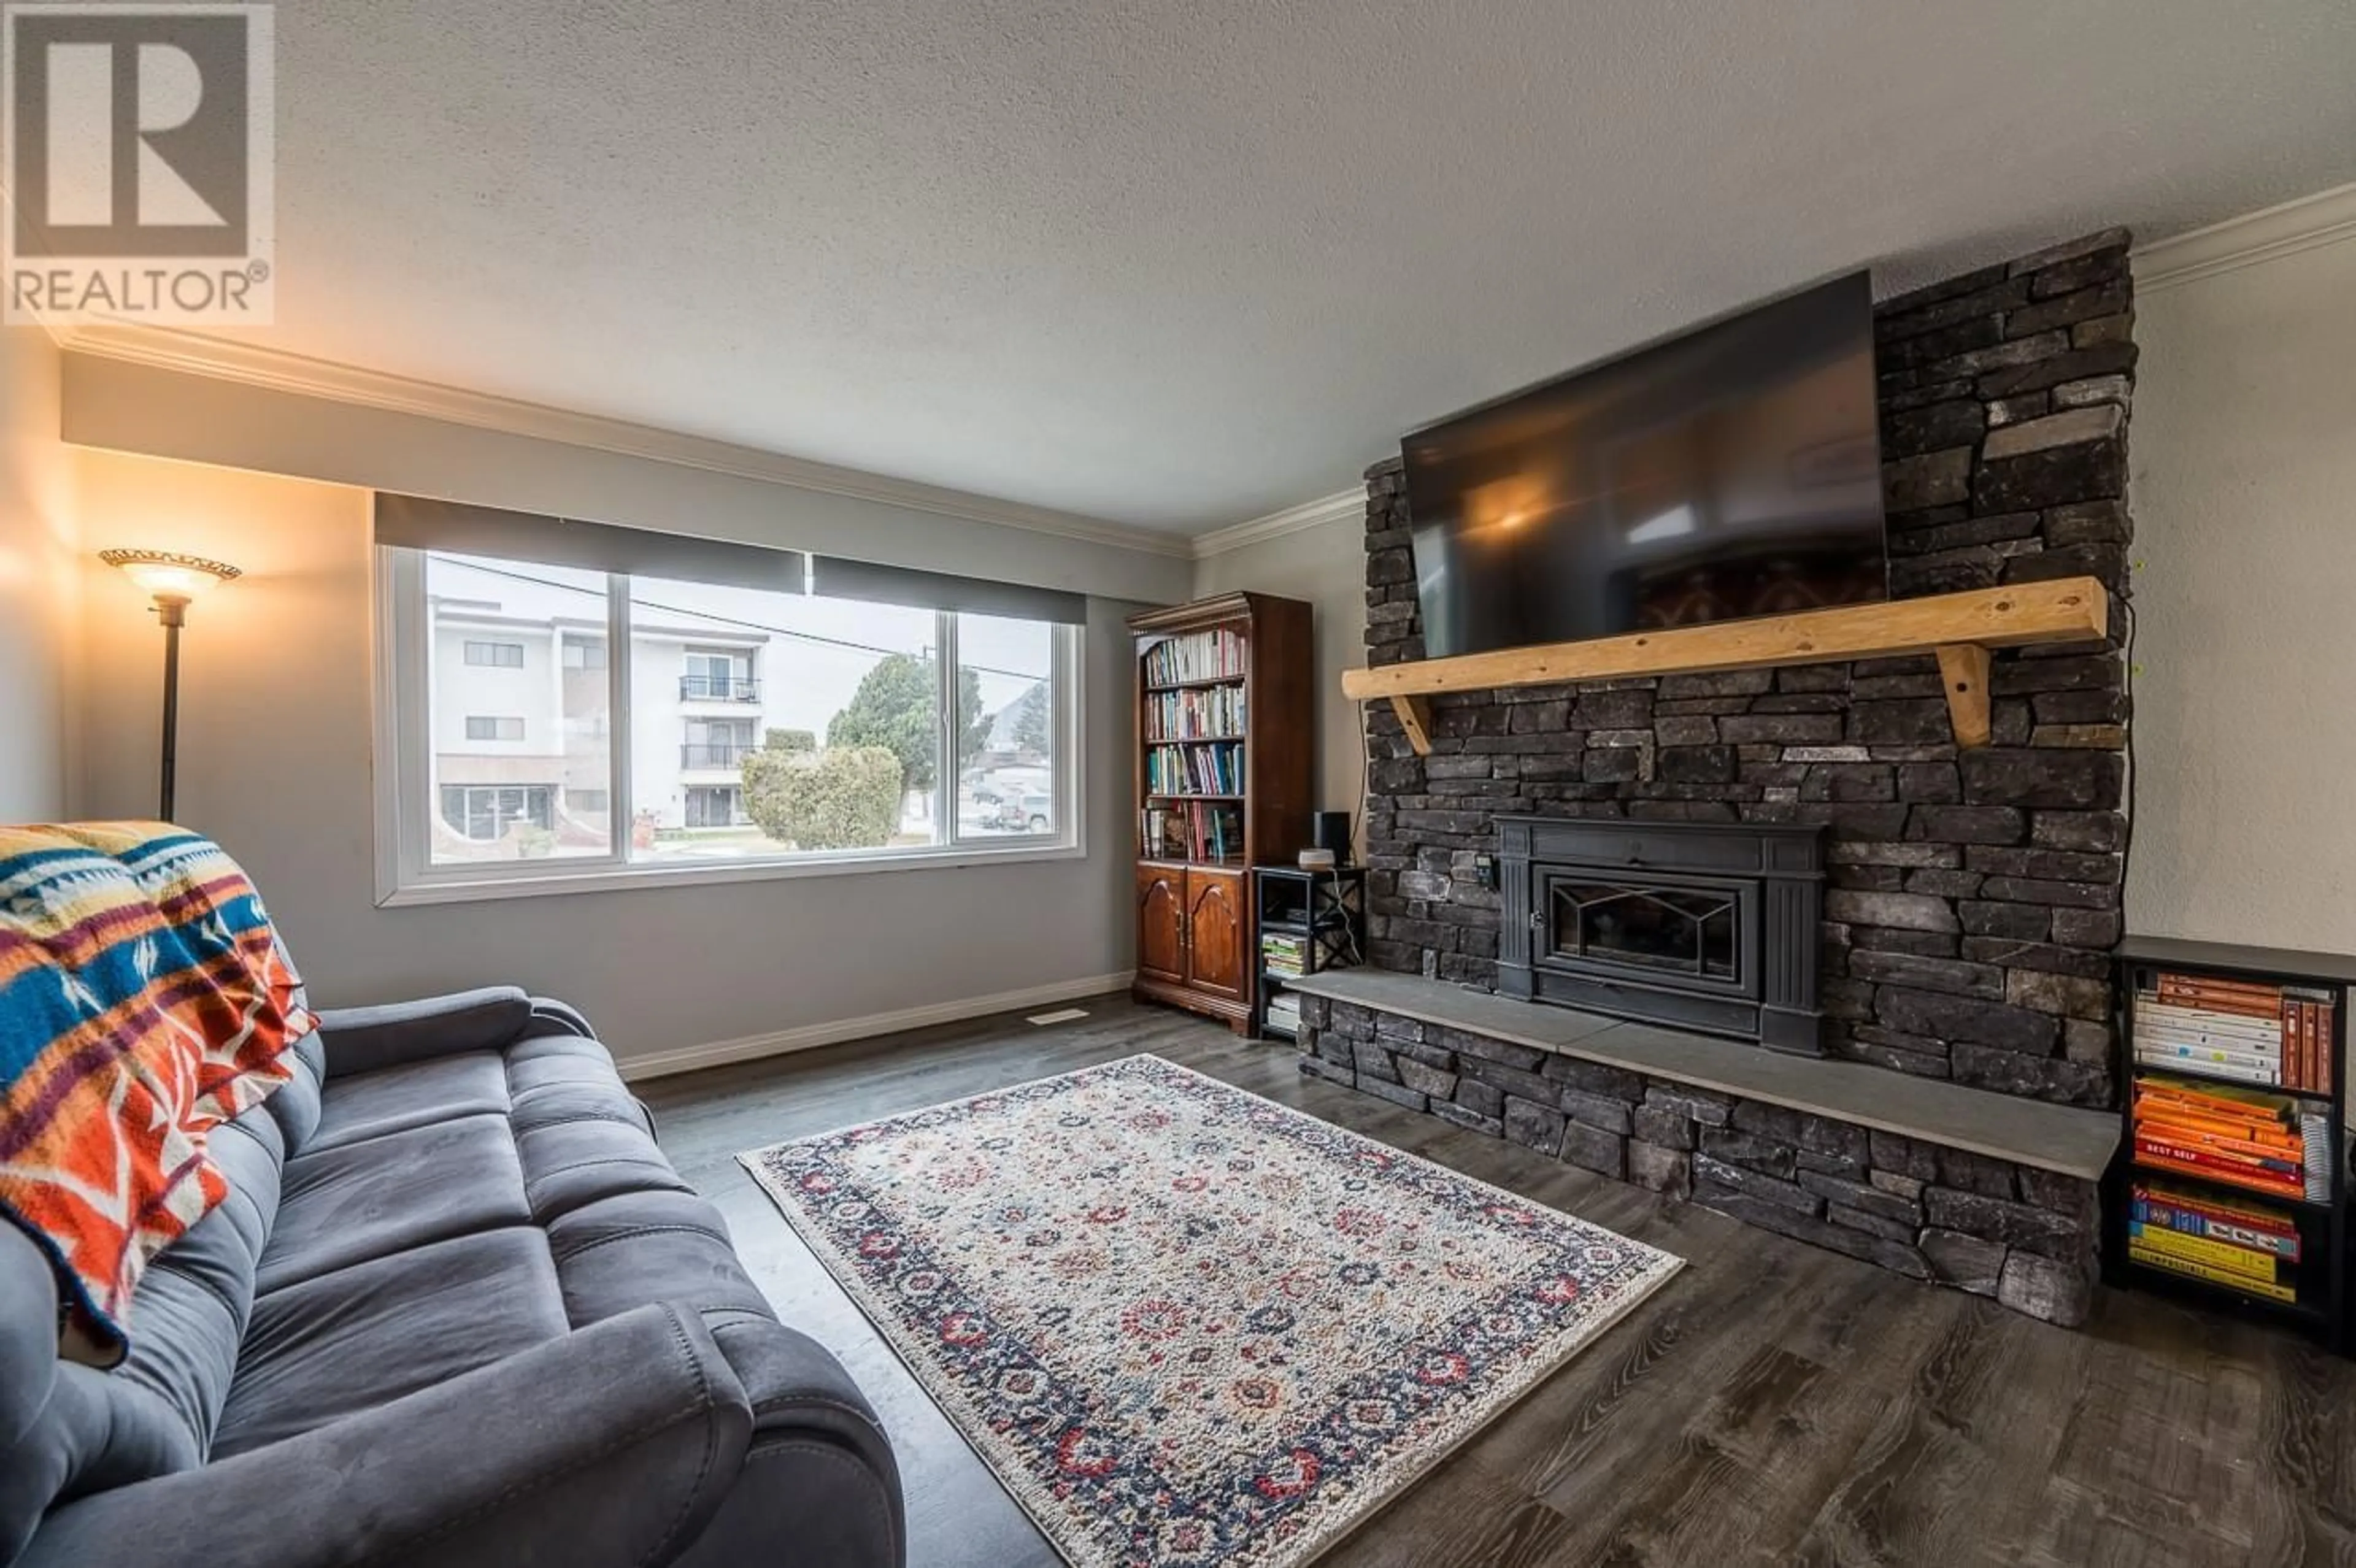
(1027, 811)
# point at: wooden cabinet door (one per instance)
(1161, 923)
(1216, 962)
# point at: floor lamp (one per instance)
(172, 580)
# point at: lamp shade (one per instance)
(169, 576)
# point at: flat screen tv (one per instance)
(1732, 471)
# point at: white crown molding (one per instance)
(639, 1067)
(1350, 503)
(197, 354)
(2327, 217)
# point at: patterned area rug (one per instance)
(1187, 1325)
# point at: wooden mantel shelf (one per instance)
(1959, 628)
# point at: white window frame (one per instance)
(406, 799)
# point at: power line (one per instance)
(720, 620)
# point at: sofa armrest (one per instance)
(820, 1472)
(363, 1039)
(614, 1446)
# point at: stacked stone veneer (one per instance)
(1972, 893)
(2023, 1235)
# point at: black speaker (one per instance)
(1331, 830)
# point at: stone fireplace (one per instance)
(1694, 925)
(1802, 857)
(1968, 897)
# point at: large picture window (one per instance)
(634, 728)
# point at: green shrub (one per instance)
(845, 798)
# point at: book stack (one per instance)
(2243, 1246)
(2245, 1031)
(1199, 713)
(1280, 953)
(2242, 1137)
(1215, 655)
(1284, 1013)
(1216, 769)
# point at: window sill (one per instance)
(604, 877)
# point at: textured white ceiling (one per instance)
(1179, 264)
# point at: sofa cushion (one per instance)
(626, 1251)
(562, 1078)
(567, 1166)
(371, 1104)
(351, 1202)
(365, 1336)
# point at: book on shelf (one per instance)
(2251, 1031)
(2247, 1225)
(2241, 1137)
(1195, 831)
(1197, 713)
(1217, 768)
(1281, 955)
(1159, 835)
(1284, 1012)
(1218, 654)
(2253, 998)
(2153, 1257)
(2195, 1058)
(2224, 1256)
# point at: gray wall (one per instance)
(2245, 470)
(1326, 565)
(274, 763)
(40, 584)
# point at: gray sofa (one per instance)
(457, 1309)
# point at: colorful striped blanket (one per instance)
(143, 1000)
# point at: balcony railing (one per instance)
(694, 756)
(719, 688)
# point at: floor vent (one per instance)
(1062, 1016)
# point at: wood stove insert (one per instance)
(1696, 926)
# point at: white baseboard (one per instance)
(808, 1037)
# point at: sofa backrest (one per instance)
(68, 1430)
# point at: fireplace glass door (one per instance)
(1693, 932)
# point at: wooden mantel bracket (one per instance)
(1415, 718)
(1958, 628)
(1964, 671)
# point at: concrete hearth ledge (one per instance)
(2057, 1138)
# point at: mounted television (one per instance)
(1732, 471)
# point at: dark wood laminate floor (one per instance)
(1773, 1403)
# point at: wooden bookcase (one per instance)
(2321, 1276)
(1225, 713)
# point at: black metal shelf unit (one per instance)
(1320, 914)
(2322, 1276)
